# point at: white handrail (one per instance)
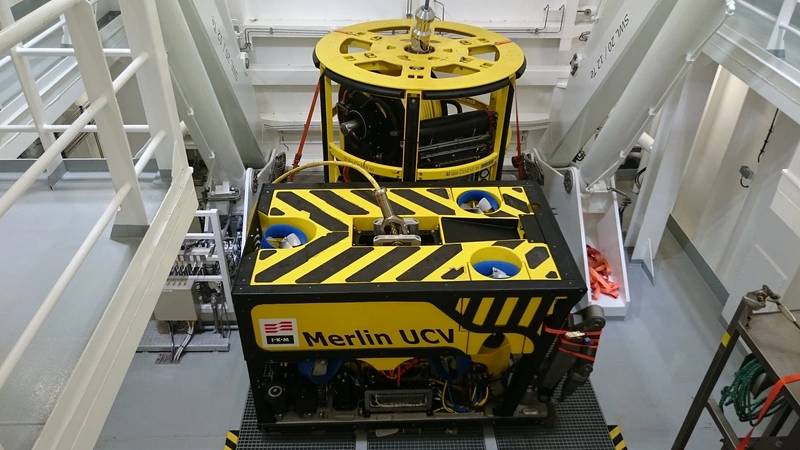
(27, 179)
(34, 20)
(67, 51)
(148, 150)
(789, 28)
(30, 128)
(129, 71)
(54, 295)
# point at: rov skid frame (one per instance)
(336, 297)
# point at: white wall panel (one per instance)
(713, 138)
(735, 229)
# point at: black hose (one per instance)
(459, 108)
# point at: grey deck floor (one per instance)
(38, 237)
(649, 368)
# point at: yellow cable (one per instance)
(485, 398)
(360, 169)
(444, 404)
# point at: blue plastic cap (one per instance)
(485, 268)
(476, 195)
(280, 231)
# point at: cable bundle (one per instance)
(740, 395)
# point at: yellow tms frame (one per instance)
(466, 67)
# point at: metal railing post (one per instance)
(55, 170)
(131, 220)
(144, 36)
(776, 44)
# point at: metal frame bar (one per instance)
(216, 230)
(765, 335)
(701, 400)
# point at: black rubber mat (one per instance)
(579, 426)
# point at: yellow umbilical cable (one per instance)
(360, 169)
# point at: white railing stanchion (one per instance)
(132, 219)
(776, 44)
(154, 81)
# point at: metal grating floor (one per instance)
(466, 437)
(580, 426)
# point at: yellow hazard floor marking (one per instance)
(615, 433)
(231, 440)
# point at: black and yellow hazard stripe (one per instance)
(332, 217)
(333, 208)
(506, 312)
(231, 440)
(615, 433)
(332, 258)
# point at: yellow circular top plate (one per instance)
(463, 56)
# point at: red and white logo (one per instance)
(278, 332)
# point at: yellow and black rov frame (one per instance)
(417, 99)
(338, 330)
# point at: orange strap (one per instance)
(569, 347)
(578, 355)
(299, 154)
(773, 394)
